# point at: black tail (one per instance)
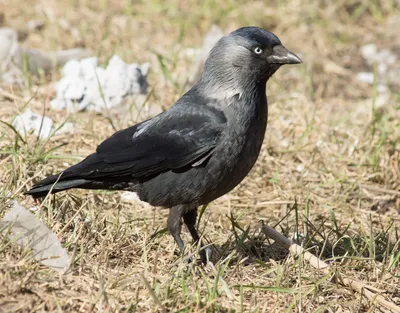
(55, 184)
(72, 177)
(77, 176)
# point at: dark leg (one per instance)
(174, 224)
(189, 219)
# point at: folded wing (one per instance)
(169, 141)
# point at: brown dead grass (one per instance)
(329, 169)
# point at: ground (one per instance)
(327, 176)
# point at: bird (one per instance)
(200, 148)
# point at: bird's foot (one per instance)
(205, 254)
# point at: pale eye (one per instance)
(257, 50)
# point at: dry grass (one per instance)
(328, 172)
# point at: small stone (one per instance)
(369, 53)
(40, 125)
(30, 121)
(366, 77)
(300, 168)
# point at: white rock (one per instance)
(67, 128)
(383, 58)
(381, 88)
(298, 236)
(145, 68)
(34, 208)
(369, 53)
(300, 168)
(86, 86)
(29, 232)
(366, 77)
(30, 121)
(284, 143)
(320, 143)
(88, 67)
(386, 56)
(382, 68)
(72, 87)
(71, 68)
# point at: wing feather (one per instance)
(169, 141)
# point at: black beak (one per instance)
(281, 55)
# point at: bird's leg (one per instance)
(189, 219)
(174, 224)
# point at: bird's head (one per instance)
(248, 56)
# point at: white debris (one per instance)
(366, 77)
(86, 86)
(369, 53)
(298, 237)
(39, 125)
(66, 128)
(320, 144)
(384, 62)
(28, 231)
(284, 143)
(35, 208)
(30, 121)
(372, 55)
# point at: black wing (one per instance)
(172, 140)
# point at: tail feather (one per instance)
(49, 184)
(77, 176)
(71, 177)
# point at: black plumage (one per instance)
(200, 148)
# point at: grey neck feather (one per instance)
(221, 80)
(225, 73)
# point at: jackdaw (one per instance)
(201, 147)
